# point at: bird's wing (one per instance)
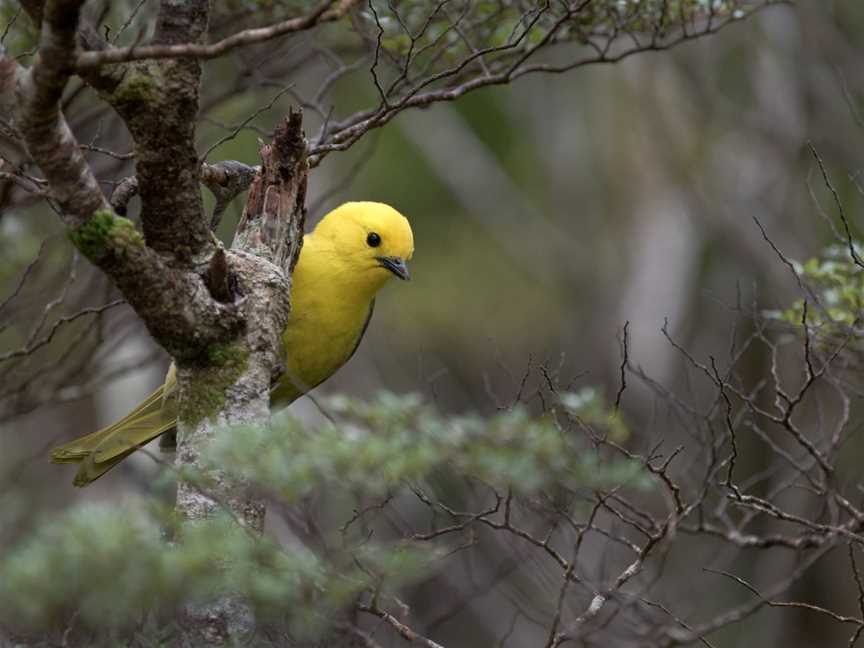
(362, 332)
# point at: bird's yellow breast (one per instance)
(329, 310)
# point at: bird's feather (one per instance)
(78, 449)
(334, 286)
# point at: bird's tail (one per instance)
(100, 451)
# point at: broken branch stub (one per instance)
(272, 222)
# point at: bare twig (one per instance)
(326, 12)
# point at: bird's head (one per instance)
(373, 239)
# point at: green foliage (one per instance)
(81, 562)
(591, 408)
(110, 568)
(378, 444)
(838, 285)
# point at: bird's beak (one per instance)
(395, 265)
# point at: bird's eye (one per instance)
(373, 240)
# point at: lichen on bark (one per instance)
(205, 396)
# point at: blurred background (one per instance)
(547, 214)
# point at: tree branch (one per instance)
(49, 140)
(159, 103)
(324, 13)
(174, 305)
(278, 191)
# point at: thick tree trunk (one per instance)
(231, 384)
(219, 313)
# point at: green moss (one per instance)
(105, 230)
(124, 235)
(223, 355)
(138, 86)
(92, 236)
(206, 396)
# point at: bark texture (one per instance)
(272, 223)
(220, 313)
(159, 274)
(232, 385)
(159, 103)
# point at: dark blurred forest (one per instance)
(645, 220)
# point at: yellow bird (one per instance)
(344, 262)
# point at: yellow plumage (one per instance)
(349, 256)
